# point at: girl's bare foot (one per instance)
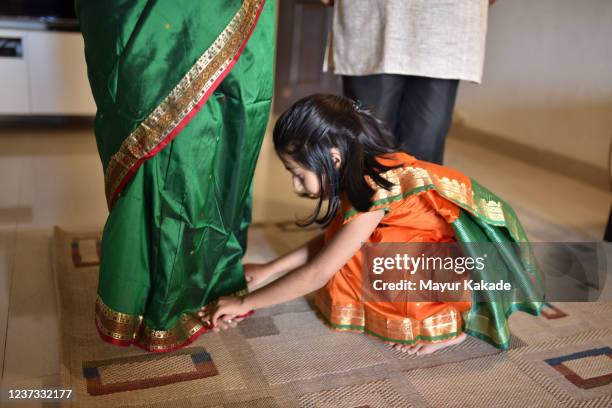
(400, 347)
(421, 349)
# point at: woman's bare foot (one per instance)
(427, 348)
(227, 324)
(222, 324)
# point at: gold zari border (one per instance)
(360, 318)
(127, 328)
(412, 179)
(182, 99)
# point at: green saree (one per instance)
(507, 256)
(183, 91)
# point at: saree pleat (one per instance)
(183, 91)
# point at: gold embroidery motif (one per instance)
(360, 318)
(403, 179)
(127, 328)
(407, 179)
(453, 189)
(182, 99)
(490, 209)
(130, 328)
(119, 326)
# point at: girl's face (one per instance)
(305, 182)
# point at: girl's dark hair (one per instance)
(312, 126)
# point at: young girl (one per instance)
(367, 191)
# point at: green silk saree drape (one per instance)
(488, 318)
(183, 91)
(497, 237)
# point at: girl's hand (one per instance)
(256, 274)
(226, 308)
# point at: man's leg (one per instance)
(425, 115)
(608, 231)
(381, 93)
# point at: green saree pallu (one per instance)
(498, 238)
(489, 229)
(183, 91)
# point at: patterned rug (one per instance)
(284, 356)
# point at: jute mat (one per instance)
(285, 357)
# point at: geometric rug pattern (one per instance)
(284, 356)
(138, 372)
(586, 369)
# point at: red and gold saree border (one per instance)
(123, 329)
(184, 101)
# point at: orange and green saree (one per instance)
(435, 204)
(183, 91)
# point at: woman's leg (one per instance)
(176, 235)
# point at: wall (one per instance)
(548, 77)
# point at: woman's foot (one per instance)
(427, 348)
(222, 324)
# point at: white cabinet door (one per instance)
(14, 84)
(58, 74)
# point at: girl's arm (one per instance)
(310, 276)
(297, 257)
(258, 275)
